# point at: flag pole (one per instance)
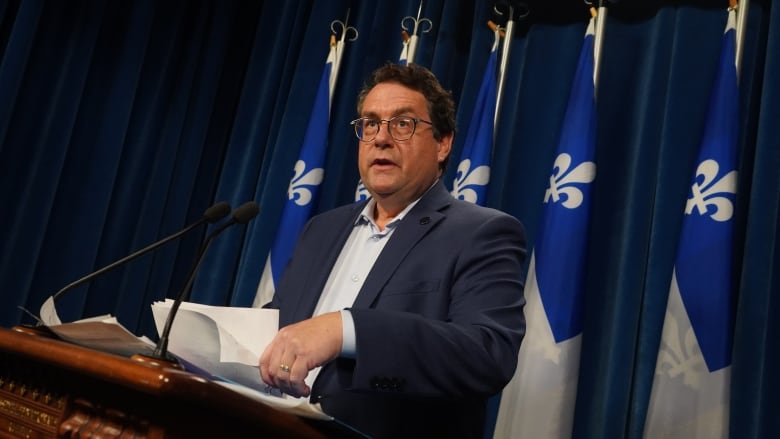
(339, 47)
(411, 39)
(508, 31)
(598, 42)
(742, 9)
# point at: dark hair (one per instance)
(441, 106)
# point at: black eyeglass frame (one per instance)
(415, 121)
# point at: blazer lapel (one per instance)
(320, 269)
(420, 220)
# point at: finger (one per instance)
(297, 379)
(271, 360)
(265, 363)
(262, 364)
(285, 369)
(264, 374)
(279, 368)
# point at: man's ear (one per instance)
(445, 147)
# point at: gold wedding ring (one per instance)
(285, 368)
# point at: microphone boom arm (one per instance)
(212, 214)
(129, 257)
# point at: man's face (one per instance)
(403, 170)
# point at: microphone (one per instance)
(241, 215)
(211, 215)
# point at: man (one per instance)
(407, 308)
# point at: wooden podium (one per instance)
(50, 388)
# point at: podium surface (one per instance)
(51, 389)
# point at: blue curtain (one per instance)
(121, 122)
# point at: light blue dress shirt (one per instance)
(355, 261)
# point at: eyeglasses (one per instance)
(400, 127)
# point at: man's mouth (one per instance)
(382, 162)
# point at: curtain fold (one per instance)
(755, 359)
(121, 122)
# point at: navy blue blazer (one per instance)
(438, 321)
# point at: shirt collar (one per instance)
(367, 214)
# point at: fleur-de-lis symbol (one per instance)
(710, 192)
(561, 181)
(361, 193)
(466, 179)
(679, 354)
(301, 184)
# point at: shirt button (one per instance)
(355, 278)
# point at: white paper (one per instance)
(103, 333)
(242, 333)
(224, 341)
(48, 313)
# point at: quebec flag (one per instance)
(473, 173)
(305, 183)
(539, 400)
(690, 394)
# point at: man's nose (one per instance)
(383, 137)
